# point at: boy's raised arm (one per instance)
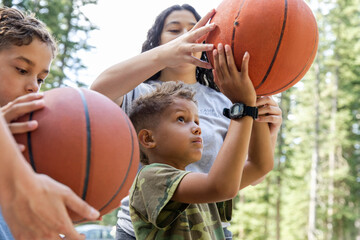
(224, 178)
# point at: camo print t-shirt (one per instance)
(155, 216)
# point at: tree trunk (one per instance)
(332, 157)
(315, 158)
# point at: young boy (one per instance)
(167, 202)
(33, 205)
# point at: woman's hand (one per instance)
(181, 50)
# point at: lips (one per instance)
(197, 140)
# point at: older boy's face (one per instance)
(23, 69)
(178, 136)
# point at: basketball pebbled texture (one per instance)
(280, 35)
(85, 141)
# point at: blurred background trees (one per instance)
(70, 28)
(314, 190)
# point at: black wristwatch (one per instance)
(239, 110)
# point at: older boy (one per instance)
(167, 202)
(33, 205)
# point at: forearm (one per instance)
(223, 180)
(121, 78)
(226, 172)
(13, 166)
(261, 155)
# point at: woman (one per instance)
(171, 52)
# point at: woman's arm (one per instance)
(121, 78)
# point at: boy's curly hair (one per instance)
(146, 111)
(17, 28)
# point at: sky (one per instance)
(123, 26)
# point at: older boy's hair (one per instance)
(146, 110)
(17, 28)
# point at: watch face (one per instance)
(237, 110)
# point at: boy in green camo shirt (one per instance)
(167, 202)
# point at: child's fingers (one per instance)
(260, 101)
(23, 127)
(21, 147)
(222, 61)
(217, 69)
(19, 109)
(245, 64)
(25, 98)
(230, 60)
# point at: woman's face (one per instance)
(176, 24)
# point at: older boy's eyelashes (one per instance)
(21, 71)
(40, 81)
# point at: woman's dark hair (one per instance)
(203, 76)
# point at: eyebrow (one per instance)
(178, 109)
(31, 63)
(178, 23)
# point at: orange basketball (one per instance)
(85, 141)
(280, 35)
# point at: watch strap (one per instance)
(248, 111)
(226, 112)
(251, 111)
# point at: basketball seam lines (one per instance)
(277, 47)
(31, 157)
(88, 144)
(307, 63)
(130, 164)
(234, 28)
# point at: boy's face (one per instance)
(178, 135)
(23, 69)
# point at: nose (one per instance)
(32, 86)
(196, 130)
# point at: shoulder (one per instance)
(160, 172)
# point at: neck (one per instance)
(170, 74)
(171, 163)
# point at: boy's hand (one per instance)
(19, 107)
(236, 85)
(270, 112)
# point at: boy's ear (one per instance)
(146, 138)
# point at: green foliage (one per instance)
(70, 28)
(277, 208)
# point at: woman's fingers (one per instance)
(205, 19)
